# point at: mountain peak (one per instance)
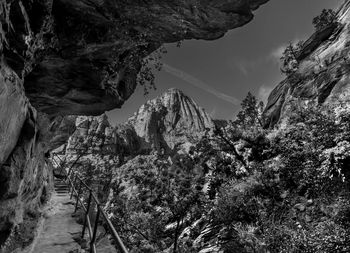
(171, 97)
(173, 92)
(166, 120)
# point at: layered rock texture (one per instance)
(323, 73)
(170, 121)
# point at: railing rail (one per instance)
(74, 180)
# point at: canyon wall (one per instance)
(323, 73)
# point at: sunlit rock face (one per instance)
(93, 135)
(323, 76)
(169, 122)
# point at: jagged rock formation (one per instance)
(93, 135)
(168, 123)
(323, 74)
(80, 58)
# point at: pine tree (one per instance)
(251, 113)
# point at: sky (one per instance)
(219, 74)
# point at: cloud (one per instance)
(199, 84)
(246, 66)
(276, 53)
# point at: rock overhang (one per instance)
(82, 57)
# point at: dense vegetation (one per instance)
(291, 193)
(242, 188)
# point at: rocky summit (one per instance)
(170, 121)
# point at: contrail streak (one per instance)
(199, 84)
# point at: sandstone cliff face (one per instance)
(93, 134)
(323, 75)
(170, 121)
(79, 58)
(25, 176)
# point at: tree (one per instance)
(290, 62)
(247, 128)
(185, 191)
(229, 150)
(325, 19)
(251, 114)
(160, 197)
(304, 149)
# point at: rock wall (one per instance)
(323, 75)
(25, 174)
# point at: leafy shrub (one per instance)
(235, 203)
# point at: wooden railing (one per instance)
(77, 189)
